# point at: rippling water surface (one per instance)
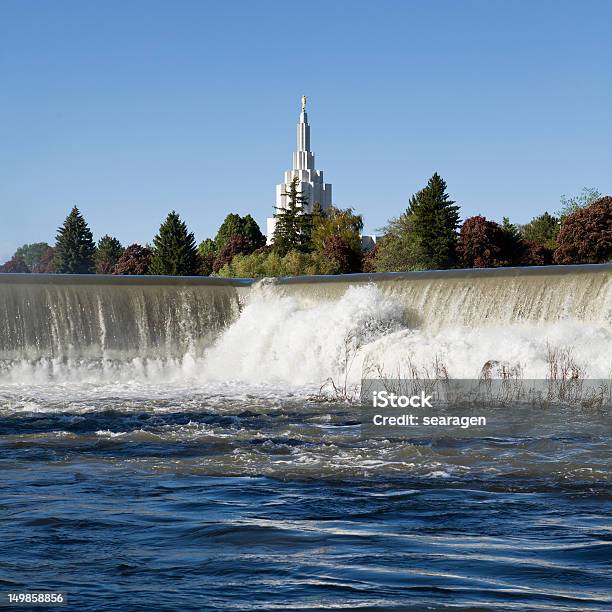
(133, 496)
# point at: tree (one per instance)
(32, 254)
(514, 246)
(15, 265)
(293, 228)
(74, 246)
(252, 234)
(206, 263)
(543, 230)
(174, 250)
(400, 249)
(238, 245)
(268, 263)
(317, 213)
(232, 226)
(586, 235)
(435, 218)
(339, 250)
(136, 259)
(107, 254)
(369, 259)
(536, 254)
(585, 198)
(482, 244)
(46, 265)
(336, 222)
(207, 247)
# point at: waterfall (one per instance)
(89, 317)
(297, 329)
(477, 298)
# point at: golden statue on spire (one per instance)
(304, 100)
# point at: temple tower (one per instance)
(310, 180)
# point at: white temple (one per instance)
(310, 180)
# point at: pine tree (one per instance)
(207, 247)
(435, 219)
(252, 234)
(293, 230)
(231, 226)
(107, 254)
(234, 226)
(74, 246)
(543, 230)
(515, 246)
(174, 249)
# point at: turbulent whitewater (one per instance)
(303, 331)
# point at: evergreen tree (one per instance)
(231, 226)
(235, 226)
(107, 254)
(435, 218)
(207, 247)
(293, 231)
(514, 247)
(543, 230)
(74, 246)
(318, 214)
(252, 234)
(174, 250)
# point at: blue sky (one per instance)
(129, 109)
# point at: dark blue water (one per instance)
(209, 503)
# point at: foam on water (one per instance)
(282, 342)
(279, 339)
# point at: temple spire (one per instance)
(303, 133)
(311, 183)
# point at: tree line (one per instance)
(427, 235)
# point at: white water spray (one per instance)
(300, 332)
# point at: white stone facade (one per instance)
(311, 183)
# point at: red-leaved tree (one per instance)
(46, 263)
(483, 244)
(136, 259)
(236, 245)
(586, 235)
(339, 250)
(535, 254)
(15, 264)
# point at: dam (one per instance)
(67, 321)
(174, 430)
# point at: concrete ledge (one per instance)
(442, 274)
(212, 281)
